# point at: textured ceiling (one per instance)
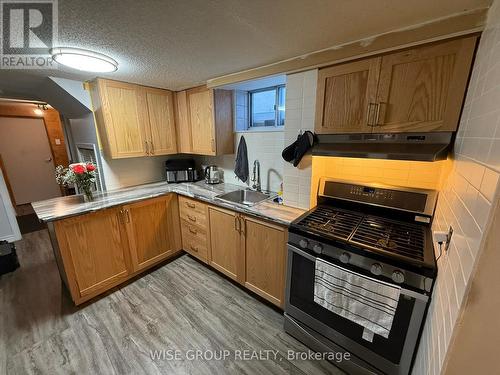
(180, 43)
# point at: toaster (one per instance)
(181, 170)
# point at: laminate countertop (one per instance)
(73, 205)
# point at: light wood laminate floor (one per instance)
(182, 306)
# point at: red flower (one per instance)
(90, 167)
(78, 169)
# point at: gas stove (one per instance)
(374, 231)
(379, 222)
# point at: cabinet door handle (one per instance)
(377, 119)
(190, 205)
(237, 224)
(127, 215)
(192, 218)
(368, 114)
(194, 248)
(152, 147)
(147, 147)
(243, 227)
(120, 217)
(193, 231)
(213, 145)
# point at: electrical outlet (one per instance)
(443, 238)
(440, 236)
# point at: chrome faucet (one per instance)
(256, 176)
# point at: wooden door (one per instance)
(225, 242)
(162, 135)
(422, 89)
(182, 123)
(200, 102)
(265, 259)
(345, 97)
(94, 251)
(125, 117)
(153, 230)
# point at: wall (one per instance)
(465, 201)
(300, 105)
(477, 339)
(393, 172)
(266, 146)
(118, 173)
(9, 230)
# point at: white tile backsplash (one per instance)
(300, 106)
(466, 198)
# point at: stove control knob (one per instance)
(344, 257)
(398, 277)
(376, 269)
(303, 243)
(317, 248)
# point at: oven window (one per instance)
(302, 297)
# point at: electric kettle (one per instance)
(212, 175)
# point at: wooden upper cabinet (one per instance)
(161, 121)
(94, 252)
(415, 90)
(265, 259)
(201, 118)
(422, 89)
(182, 123)
(121, 118)
(153, 230)
(345, 95)
(210, 121)
(133, 120)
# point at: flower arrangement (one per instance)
(81, 174)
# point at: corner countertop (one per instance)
(64, 207)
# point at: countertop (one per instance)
(63, 207)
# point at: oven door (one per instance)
(392, 355)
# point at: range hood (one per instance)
(400, 146)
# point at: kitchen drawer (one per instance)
(195, 244)
(190, 230)
(193, 212)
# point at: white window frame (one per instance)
(276, 126)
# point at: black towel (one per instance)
(241, 165)
(297, 149)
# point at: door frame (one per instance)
(53, 129)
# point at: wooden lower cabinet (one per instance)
(194, 227)
(94, 252)
(100, 250)
(265, 259)
(225, 241)
(153, 230)
(250, 251)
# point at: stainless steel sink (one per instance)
(244, 197)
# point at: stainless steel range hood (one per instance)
(400, 146)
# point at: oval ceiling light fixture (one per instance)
(84, 60)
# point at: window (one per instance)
(87, 153)
(267, 107)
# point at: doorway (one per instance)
(27, 159)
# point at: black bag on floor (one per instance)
(8, 257)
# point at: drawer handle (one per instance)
(194, 231)
(192, 218)
(194, 248)
(190, 205)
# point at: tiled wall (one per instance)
(393, 172)
(241, 110)
(300, 106)
(466, 199)
(266, 146)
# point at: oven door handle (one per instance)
(406, 292)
